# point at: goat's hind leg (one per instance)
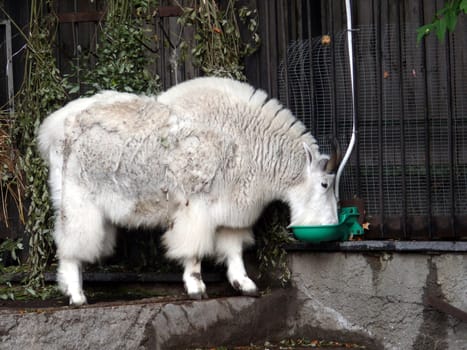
(229, 248)
(82, 235)
(69, 270)
(70, 281)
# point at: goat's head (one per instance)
(313, 202)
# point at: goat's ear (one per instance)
(336, 157)
(323, 163)
(309, 156)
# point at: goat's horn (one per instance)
(336, 157)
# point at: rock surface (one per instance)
(147, 325)
(377, 300)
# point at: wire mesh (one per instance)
(411, 156)
(459, 72)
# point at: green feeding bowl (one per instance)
(347, 227)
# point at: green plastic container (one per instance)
(347, 227)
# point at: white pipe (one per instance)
(351, 145)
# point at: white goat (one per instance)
(201, 160)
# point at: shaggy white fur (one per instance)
(201, 160)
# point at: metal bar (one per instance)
(355, 98)
(274, 53)
(427, 134)
(283, 39)
(307, 11)
(353, 139)
(267, 43)
(451, 148)
(379, 83)
(9, 67)
(402, 125)
(312, 78)
(355, 115)
(333, 84)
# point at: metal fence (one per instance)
(409, 166)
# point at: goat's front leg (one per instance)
(194, 284)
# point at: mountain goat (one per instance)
(201, 160)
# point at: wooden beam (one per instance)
(78, 17)
(169, 11)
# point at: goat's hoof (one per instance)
(246, 287)
(78, 300)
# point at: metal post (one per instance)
(9, 66)
(348, 8)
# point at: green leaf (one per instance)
(441, 27)
(463, 6)
(451, 20)
(74, 89)
(31, 291)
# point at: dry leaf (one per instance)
(325, 40)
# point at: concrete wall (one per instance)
(376, 300)
(382, 296)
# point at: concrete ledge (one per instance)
(382, 246)
(404, 299)
(383, 299)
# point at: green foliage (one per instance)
(8, 251)
(122, 58)
(445, 20)
(271, 237)
(11, 177)
(218, 48)
(42, 92)
(120, 62)
(11, 248)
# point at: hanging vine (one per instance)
(120, 62)
(217, 46)
(124, 54)
(42, 92)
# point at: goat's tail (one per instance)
(52, 132)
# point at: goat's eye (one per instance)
(324, 184)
